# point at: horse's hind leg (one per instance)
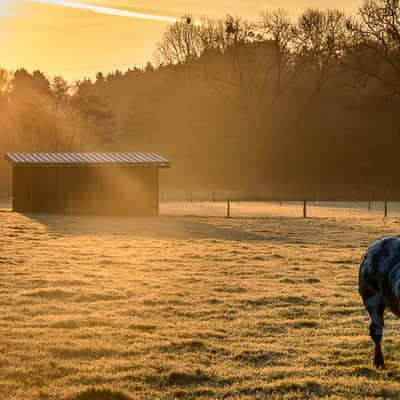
(376, 308)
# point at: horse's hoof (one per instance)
(380, 366)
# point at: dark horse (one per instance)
(379, 287)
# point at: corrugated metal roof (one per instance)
(88, 159)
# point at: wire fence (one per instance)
(259, 209)
(231, 206)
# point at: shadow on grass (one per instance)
(261, 358)
(367, 372)
(303, 390)
(177, 378)
(101, 394)
(183, 379)
(147, 227)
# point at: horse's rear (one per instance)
(378, 285)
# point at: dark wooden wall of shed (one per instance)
(80, 190)
(21, 189)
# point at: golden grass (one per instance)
(188, 307)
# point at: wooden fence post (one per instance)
(228, 211)
(305, 209)
(213, 197)
(386, 209)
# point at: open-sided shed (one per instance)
(87, 183)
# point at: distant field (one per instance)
(264, 305)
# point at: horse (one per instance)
(379, 287)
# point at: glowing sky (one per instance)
(77, 38)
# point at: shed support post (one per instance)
(14, 188)
(157, 189)
(369, 201)
(97, 180)
(30, 190)
(58, 189)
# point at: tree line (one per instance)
(278, 107)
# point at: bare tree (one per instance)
(238, 30)
(212, 35)
(257, 67)
(187, 39)
(180, 42)
(322, 39)
(276, 26)
(376, 43)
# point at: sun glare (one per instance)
(4, 7)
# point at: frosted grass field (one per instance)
(192, 305)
